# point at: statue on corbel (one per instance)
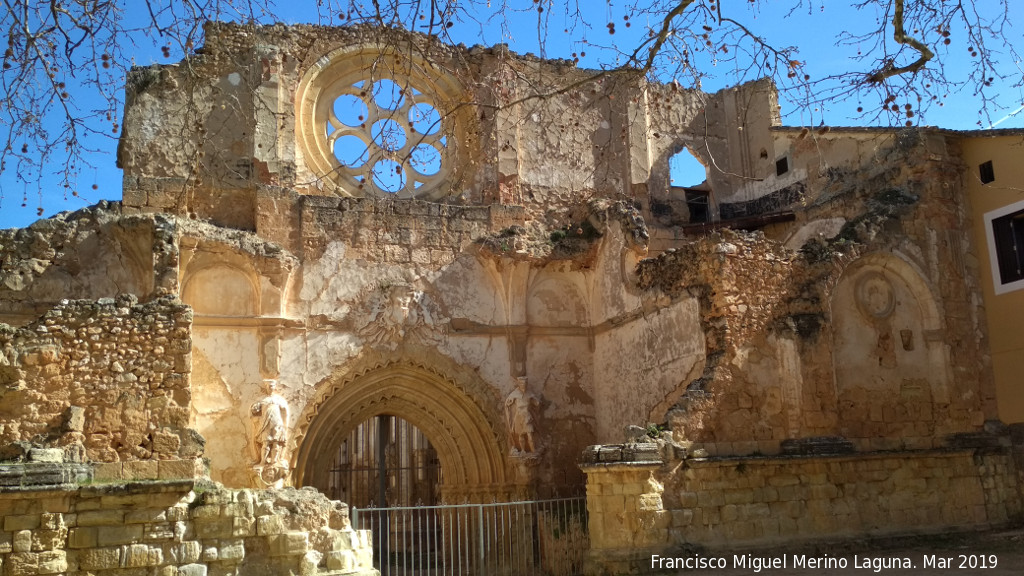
(520, 415)
(270, 432)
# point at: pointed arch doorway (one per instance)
(445, 430)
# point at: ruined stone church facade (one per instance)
(486, 249)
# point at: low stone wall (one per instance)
(177, 528)
(640, 508)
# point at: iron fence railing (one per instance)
(538, 537)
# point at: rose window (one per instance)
(386, 137)
(378, 121)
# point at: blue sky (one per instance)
(814, 33)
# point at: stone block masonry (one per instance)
(640, 508)
(177, 528)
(411, 232)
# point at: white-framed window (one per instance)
(1004, 230)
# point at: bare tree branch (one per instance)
(59, 50)
(900, 35)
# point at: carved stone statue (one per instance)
(270, 426)
(519, 410)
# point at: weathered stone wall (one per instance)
(561, 309)
(514, 303)
(643, 365)
(105, 380)
(640, 508)
(865, 325)
(412, 233)
(541, 134)
(88, 254)
(528, 270)
(743, 284)
(728, 128)
(177, 528)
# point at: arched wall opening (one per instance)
(680, 189)
(685, 170)
(469, 446)
(688, 183)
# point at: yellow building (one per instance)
(994, 182)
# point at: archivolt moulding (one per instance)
(458, 415)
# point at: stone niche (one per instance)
(221, 291)
(892, 369)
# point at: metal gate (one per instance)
(385, 461)
(543, 538)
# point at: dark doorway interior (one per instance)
(385, 462)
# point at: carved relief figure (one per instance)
(270, 425)
(399, 313)
(519, 408)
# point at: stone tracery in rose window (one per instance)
(383, 120)
(386, 136)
